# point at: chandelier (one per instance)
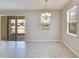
(46, 15)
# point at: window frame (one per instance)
(75, 6)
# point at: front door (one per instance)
(16, 28)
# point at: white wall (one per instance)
(33, 31)
(0, 28)
(70, 41)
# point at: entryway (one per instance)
(13, 28)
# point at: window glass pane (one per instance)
(21, 26)
(72, 27)
(72, 20)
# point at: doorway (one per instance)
(15, 28)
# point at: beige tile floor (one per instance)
(20, 49)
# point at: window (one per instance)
(72, 21)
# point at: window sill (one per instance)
(72, 34)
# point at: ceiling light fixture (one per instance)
(45, 16)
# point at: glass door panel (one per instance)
(12, 28)
(20, 27)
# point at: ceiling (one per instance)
(31, 4)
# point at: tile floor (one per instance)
(20, 49)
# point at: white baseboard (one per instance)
(71, 49)
(44, 40)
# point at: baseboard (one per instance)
(44, 40)
(71, 49)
